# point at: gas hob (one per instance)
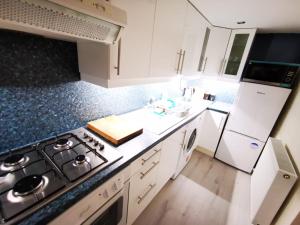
(32, 176)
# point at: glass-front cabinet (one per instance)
(213, 50)
(237, 52)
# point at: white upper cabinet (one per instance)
(168, 37)
(193, 42)
(164, 38)
(226, 52)
(237, 52)
(129, 58)
(136, 38)
(215, 49)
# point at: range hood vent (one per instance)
(72, 19)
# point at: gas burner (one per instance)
(81, 159)
(62, 144)
(31, 174)
(28, 185)
(13, 162)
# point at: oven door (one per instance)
(114, 212)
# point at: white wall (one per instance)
(288, 130)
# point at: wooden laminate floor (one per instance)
(207, 192)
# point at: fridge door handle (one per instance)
(261, 93)
(254, 145)
(245, 136)
(221, 124)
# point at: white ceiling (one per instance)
(267, 15)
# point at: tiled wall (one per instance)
(41, 94)
(225, 91)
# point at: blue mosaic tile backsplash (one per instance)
(225, 91)
(41, 94)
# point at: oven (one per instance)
(114, 212)
(107, 204)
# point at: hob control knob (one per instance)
(105, 194)
(96, 143)
(114, 187)
(101, 146)
(90, 139)
(85, 135)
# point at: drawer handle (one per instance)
(141, 197)
(153, 154)
(154, 164)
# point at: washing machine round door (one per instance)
(191, 140)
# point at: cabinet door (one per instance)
(194, 37)
(131, 55)
(211, 129)
(141, 192)
(167, 37)
(237, 52)
(171, 149)
(215, 50)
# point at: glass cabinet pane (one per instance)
(203, 51)
(236, 53)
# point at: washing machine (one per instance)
(190, 143)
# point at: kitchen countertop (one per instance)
(130, 150)
(221, 107)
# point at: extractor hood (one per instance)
(95, 20)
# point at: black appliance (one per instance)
(271, 73)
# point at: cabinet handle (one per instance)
(154, 164)
(204, 64)
(224, 66)
(119, 57)
(221, 66)
(179, 60)
(182, 144)
(182, 61)
(153, 154)
(141, 197)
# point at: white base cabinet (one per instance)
(212, 127)
(143, 182)
(171, 148)
(150, 173)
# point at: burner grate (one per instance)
(65, 158)
(16, 203)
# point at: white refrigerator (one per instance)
(255, 111)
